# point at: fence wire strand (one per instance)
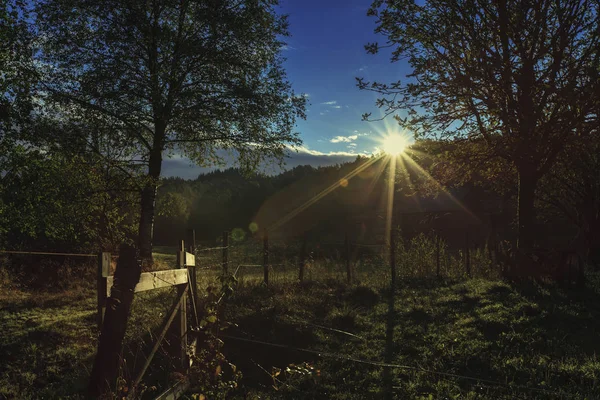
(340, 357)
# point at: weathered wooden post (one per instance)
(467, 255)
(437, 255)
(393, 256)
(266, 257)
(180, 325)
(103, 272)
(302, 259)
(108, 357)
(348, 264)
(225, 252)
(191, 244)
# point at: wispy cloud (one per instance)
(361, 134)
(351, 145)
(182, 167)
(344, 139)
(306, 150)
(337, 107)
(363, 68)
(330, 103)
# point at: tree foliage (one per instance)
(573, 189)
(61, 202)
(194, 77)
(518, 77)
(16, 69)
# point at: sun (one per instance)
(394, 144)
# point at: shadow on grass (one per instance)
(389, 353)
(535, 341)
(45, 359)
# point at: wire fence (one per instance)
(290, 261)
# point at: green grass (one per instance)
(527, 336)
(47, 343)
(530, 335)
(48, 339)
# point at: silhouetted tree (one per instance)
(573, 188)
(193, 76)
(522, 77)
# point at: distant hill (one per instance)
(322, 201)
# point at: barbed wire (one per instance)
(43, 253)
(341, 357)
(212, 248)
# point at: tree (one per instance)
(520, 76)
(572, 187)
(196, 77)
(16, 72)
(61, 201)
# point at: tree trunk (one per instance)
(526, 218)
(146, 226)
(109, 356)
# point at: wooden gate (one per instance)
(183, 277)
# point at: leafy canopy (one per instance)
(194, 76)
(522, 76)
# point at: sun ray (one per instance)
(418, 168)
(390, 199)
(322, 194)
(378, 172)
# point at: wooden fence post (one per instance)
(348, 264)
(180, 331)
(393, 257)
(437, 255)
(225, 252)
(467, 255)
(266, 257)
(191, 243)
(103, 272)
(110, 344)
(302, 259)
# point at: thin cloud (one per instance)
(306, 150)
(344, 139)
(330, 103)
(337, 107)
(179, 166)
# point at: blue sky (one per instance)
(325, 54)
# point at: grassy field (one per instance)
(446, 338)
(478, 339)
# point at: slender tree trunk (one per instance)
(109, 356)
(146, 226)
(526, 218)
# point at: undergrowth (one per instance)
(441, 337)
